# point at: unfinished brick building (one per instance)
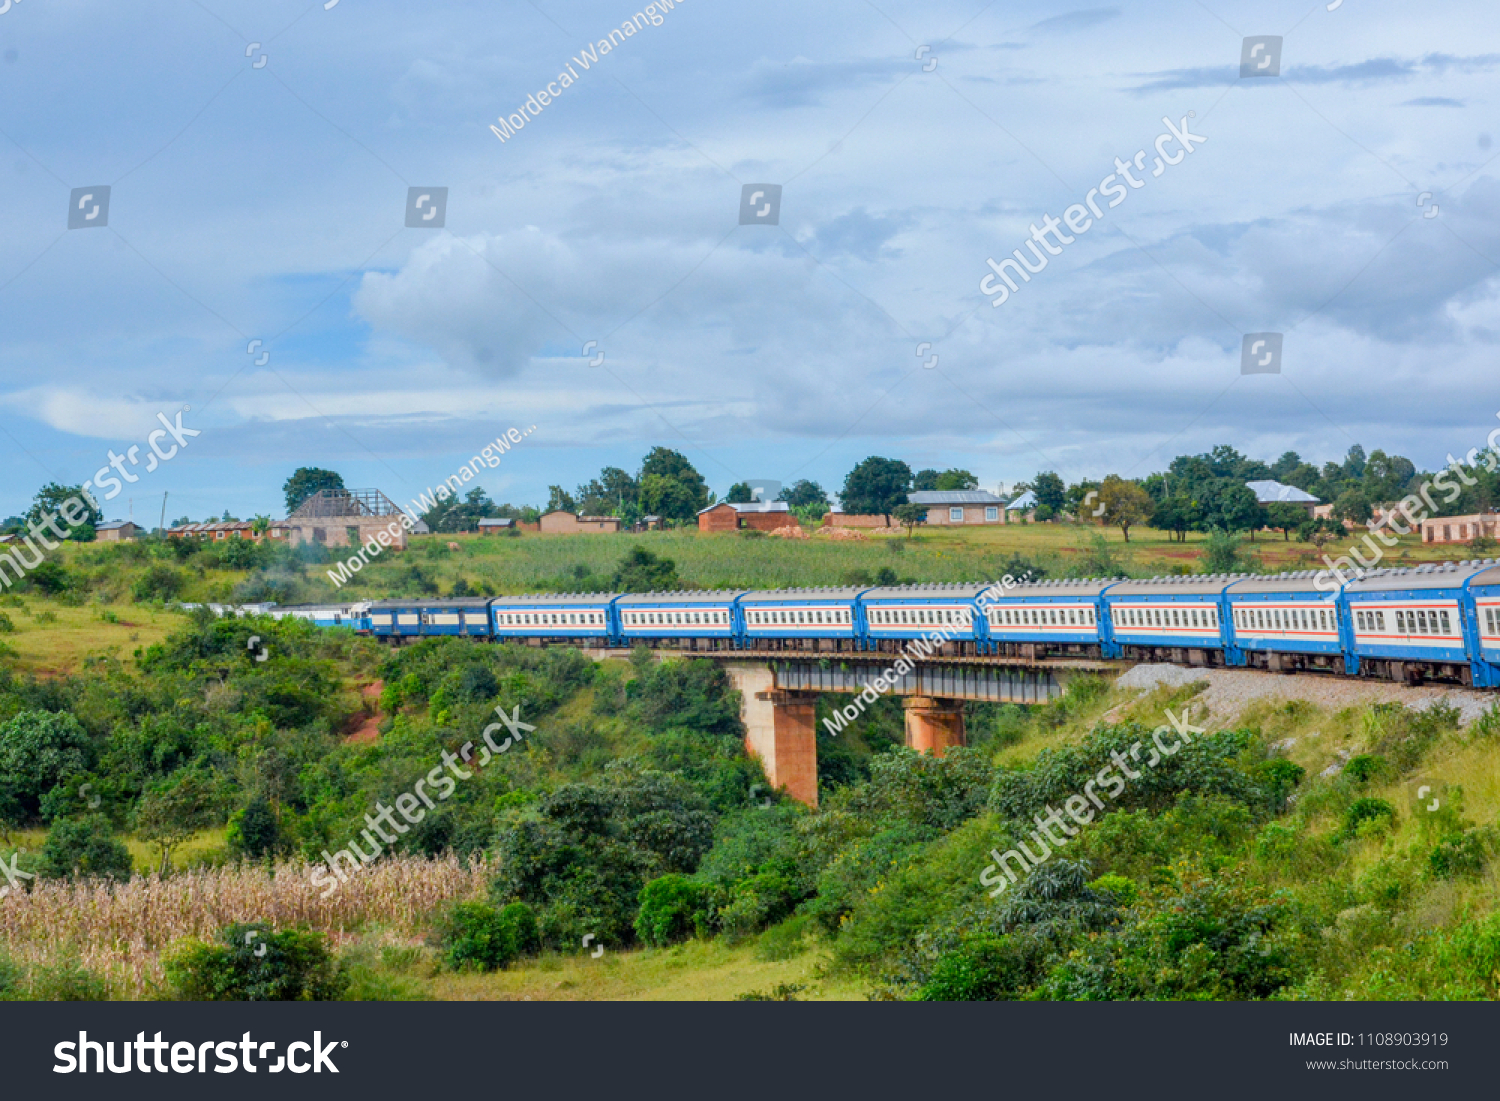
(345, 518)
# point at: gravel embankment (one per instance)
(1230, 691)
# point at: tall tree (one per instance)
(1050, 491)
(804, 494)
(558, 499)
(1285, 516)
(956, 479)
(307, 480)
(875, 487)
(50, 499)
(924, 481)
(672, 466)
(739, 494)
(1125, 504)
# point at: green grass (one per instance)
(727, 560)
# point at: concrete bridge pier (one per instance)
(779, 729)
(933, 725)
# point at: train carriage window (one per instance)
(1401, 622)
(1422, 621)
(1446, 628)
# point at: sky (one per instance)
(260, 159)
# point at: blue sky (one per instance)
(266, 201)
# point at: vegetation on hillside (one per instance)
(631, 818)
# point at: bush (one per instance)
(158, 583)
(1459, 855)
(1365, 767)
(84, 847)
(475, 934)
(1366, 816)
(983, 969)
(671, 909)
(254, 964)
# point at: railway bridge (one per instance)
(779, 691)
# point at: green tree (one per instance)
(804, 494)
(1286, 517)
(1177, 514)
(1050, 491)
(875, 487)
(256, 830)
(924, 481)
(909, 516)
(49, 501)
(668, 497)
(84, 847)
(1354, 506)
(305, 481)
(663, 462)
(1125, 504)
(38, 749)
(672, 907)
(739, 494)
(956, 479)
(1230, 504)
(640, 571)
(176, 807)
(252, 963)
(560, 500)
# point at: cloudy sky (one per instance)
(259, 156)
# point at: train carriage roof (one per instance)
(934, 591)
(433, 602)
(828, 592)
(1298, 581)
(683, 596)
(1431, 575)
(529, 600)
(1185, 585)
(1085, 587)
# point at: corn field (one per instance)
(119, 931)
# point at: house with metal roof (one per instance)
(1270, 492)
(951, 507)
(116, 531)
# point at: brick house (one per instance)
(562, 522)
(756, 515)
(343, 518)
(953, 507)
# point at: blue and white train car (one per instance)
(810, 619)
(1412, 622)
(1284, 622)
(587, 618)
(1038, 617)
(1484, 594)
(1170, 618)
(420, 617)
(694, 616)
(354, 616)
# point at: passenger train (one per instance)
(1437, 621)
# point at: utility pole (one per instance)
(164, 515)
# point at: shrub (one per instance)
(983, 969)
(1365, 767)
(1458, 855)
(254, 964)
(84, 847)
(671, 909)
(160, 582)
(1366, 816)
(476, 934)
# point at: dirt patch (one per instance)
(368, 730)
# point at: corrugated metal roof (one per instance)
(1268, 492)
(953, 497)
